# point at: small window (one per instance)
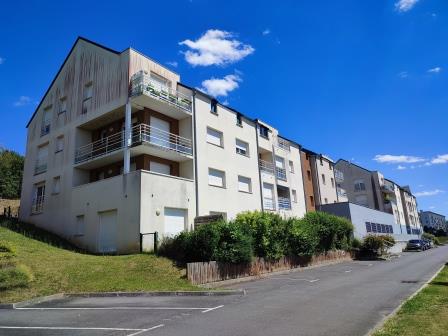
(37, 205)
(332, 182)
(88, 91)
(59, 144)
(63, 105)
(323, 179)
(56, 185)
(308, 173)
(321, 161)
(330, 165)
(294, 195)
(80, 225)
(216, 178)
(214, 137)
(46, 122)
(244, 184)
(359, 185)
(214, 106)
(291, 167)
(264, 131)
(242, 147)
(239, 119)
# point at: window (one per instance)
(308, 173)
(214, 106)
(157, 167)
(41, 160)
(46, 122)
(239, 119)
(360, 185)
(80, 226)
(62, 105)
(326, 200)
(59, 144)
(294, 195)
(323, 179)
(214, 137)
(321, 162)
(242, 147)
(264, 131)
(291, 167)
(244, 184)
(56, 185)
(37, 205)
(161, 82)
(87, 95)
(216, 178)
(330, 166)
(332, 182)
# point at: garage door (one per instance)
(175, 221)
(107, 242)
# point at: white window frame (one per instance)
(249, 184)
(294, 195)
(223, 178)
(221, 137)
(291, 167)
(56, 185)
(238, 148)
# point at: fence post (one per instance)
(156, 241)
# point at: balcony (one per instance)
(284, 203)
(37, 206)
(268, 203)
(283, 144)
(149, 93)
(270, 168)
(145, 139)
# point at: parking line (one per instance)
(114, 308)
(71, 328)
(148, 329)
(296, 279)
(348, 271)
(210, 309)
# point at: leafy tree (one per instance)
(11, 172)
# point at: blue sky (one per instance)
(361, 80)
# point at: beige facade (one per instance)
(119, 149)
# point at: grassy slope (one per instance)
(425, 314)
(57, 270)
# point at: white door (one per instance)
(160, 132)
(159, 168)
(175, 221)
(107, 241)
(268, 196)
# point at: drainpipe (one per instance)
(195, 154)
(127, 139)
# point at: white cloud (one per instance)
(174, 64)
(225, 102)
(403, 74)
(2, 60)
(428, 193)
(216, 47)
(221, 86)
(432, 207)
(386, 158)
(266, 32)
(22, 101)
(440, 159)
(400, 167)
(405, 5)
(435, 70)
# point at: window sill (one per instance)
(211, 143)
(245, 155)
(58, 151)
(264, 136)
(36, 213)
(39, 173)
(217, 186)
(245, 192)
(55, 193)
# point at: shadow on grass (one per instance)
(440, 283)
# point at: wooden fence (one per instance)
(206, 272)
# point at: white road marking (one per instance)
(148, 329)
(71, 328)
(210, 309)
(114, 308)
(297, 279)
(348, 271)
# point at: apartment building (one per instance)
(320, 179)
(433, 220)
(371, 189)
(119, 149)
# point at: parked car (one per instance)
(416, 244)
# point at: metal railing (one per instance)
(266, 166)
(268, 203)
(141, 83)
(141, 134)
(37, 206)
(41, 166)
(281, 173)
(284, 203)
(283, 144)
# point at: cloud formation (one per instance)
(221, 86)
(440, 159)
(22, 101)
(266, 32)
(174, 64)
(405, 5)
(428, 193)
(216, 47)
(400, 167)
(387, 158)
(435, 70)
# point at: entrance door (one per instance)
(107, 241)
(160, 132)
(268, 196)
(175, 221)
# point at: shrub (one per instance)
(12, 277)
(388, 240)
(268, 232)
(356, 243)
(234, 245)
(428, 236)
(372, 243)
(6, 248)
(302, 238)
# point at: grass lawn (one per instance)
(425, 314)
(52, 270)
(443, 240)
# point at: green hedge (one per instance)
(260, 234)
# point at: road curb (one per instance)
(381, 323)
(59, 296)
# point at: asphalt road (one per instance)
(343, 299)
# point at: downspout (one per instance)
(195, 154)
(259, 170)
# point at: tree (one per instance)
(11, 172)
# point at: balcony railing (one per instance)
(270, 168)
(141, 134)
(141, 83)
(283, 144)
(37, 206)
(41, 166)
(339, 176)
(284, 203)
(268, 203)
(342, 192)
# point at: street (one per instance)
(342, 299)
